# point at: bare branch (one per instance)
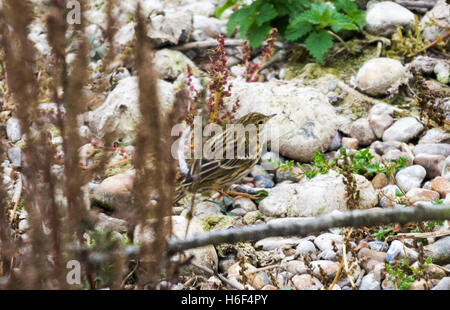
(355, 218)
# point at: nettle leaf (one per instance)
(297, 31)
(318, 43)
(267, 13)
(243, 18)
(257, 34)
(342, 22)
(358, 18)
(310, 16)
(345, 5)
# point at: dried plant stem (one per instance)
(433, 43)
(346, 268)
(16, 196)
(336, 277)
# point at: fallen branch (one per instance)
(355, 218)
(208, 44)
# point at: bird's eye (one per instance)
(260, 122)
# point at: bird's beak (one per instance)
(271, 116)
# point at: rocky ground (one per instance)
(360, 101)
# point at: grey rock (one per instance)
(272, 243)
(383, 18)
(442, 71)
(206, 207)
(439, 251)
(172, 27)
(382, 148)
(433, 164)
(380, 123)
(115, 192)
(435, 135)
(380, 76)
(362, 131)
(441, 14)
(380, 109)
(15, 155)
(327, 255)
(397, 250)
(294, 267)
(395, 155)
(306, 282)
(13, 130)
(108, 223)
(411, 177)
(245, 203)
(378, 246)
(336, 143)
(305, 121)
(170, 64)
(269, 160)
(444, 284)
(369, 283)
(322, 194)
(120, 113)
(263, 182)
(433, 149)
(388, 195)
(403, 130)
(306, 248)
(325, 241)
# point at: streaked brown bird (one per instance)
(221, 172)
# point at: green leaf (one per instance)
(342, 22)
(398, 193)
(257, 34)
(310, 16)
(345, 5)
(267, 13)
(357, 18)
(318, 43)
(243, 18)
(297, 31)
(228, 4)
(227, 201)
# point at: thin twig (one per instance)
(262, 269)
(215, 273)
(439, 39)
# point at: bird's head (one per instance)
(254, 118)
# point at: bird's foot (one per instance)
(243, 195)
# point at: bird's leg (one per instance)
(242, 195)
(222, 193)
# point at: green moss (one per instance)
(341, 67)
(252, 217)
(216, 221)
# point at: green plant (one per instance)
(383, 232)
(362, 163)
(313, 23)
(403, 275)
